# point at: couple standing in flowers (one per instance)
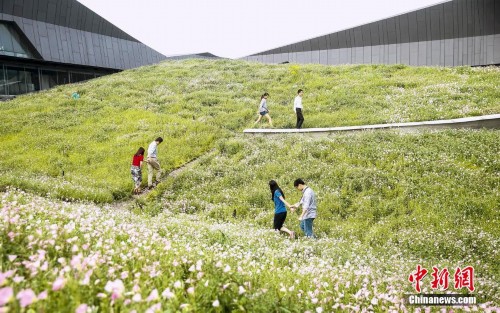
(297, 108)
(309, 208)
(153, 164)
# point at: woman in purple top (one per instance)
(280, 204)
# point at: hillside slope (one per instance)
(387, 201)
(81, 149)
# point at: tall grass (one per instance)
(81, 149)
(419, 192)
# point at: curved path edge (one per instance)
(485, 121)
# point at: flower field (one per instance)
(81, 149)
(87, 258)
(73, 240)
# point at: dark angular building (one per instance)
(44, 43)
(452, 33)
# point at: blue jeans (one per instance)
(307, 227)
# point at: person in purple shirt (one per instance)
(280, 204)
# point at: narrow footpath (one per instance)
(486, 121)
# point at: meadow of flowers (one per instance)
(76, 257)
(81, 149)
(73, 241)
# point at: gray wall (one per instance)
(67, 13)
(76, 36)
(454, 33)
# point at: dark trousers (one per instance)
(300, 117)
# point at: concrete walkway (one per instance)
(485, 121)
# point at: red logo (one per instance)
(463, 278)
(439, 278)
(417, 277)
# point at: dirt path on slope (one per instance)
(124, 204)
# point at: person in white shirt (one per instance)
(153, 163)
(297, 107)
(263, 110)
(309, 207)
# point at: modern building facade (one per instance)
(44, 43)
(452, 33)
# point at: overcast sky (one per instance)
(237, 28)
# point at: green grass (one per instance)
(387, 200)
(371, 186)
(193, 103)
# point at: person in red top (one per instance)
(136, 171)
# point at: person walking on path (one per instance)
(309, 207)
(153, 163)
(297, 107)
(136, 170)
(263, 110)
(280, 204)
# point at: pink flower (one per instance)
(154, 308)
(76, 262)
(11, 235)
(12, 257)
(116, 288)
(167, 294)
(153, 296)
(58, 284)
(241, 290)
(26, 297)
(124, 275)
(137, 297)
(5, 275)
(6, 294)
(42, 295)
(82, 308)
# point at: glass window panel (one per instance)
(12, 43)
(5, 40)
(3, 85)
(16, 81)
(62, 78)
(32, 80)
(49, 79)
(79, 77)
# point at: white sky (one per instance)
(237, 28)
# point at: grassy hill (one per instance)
(194, 103)
(387, 200)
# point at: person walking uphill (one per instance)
(263, 110)
(297, 107)
(280, 212)
(136, 170)
(309, 207)
(153, 163)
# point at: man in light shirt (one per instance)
(297, 107)
(153, 163)
(309, 207)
